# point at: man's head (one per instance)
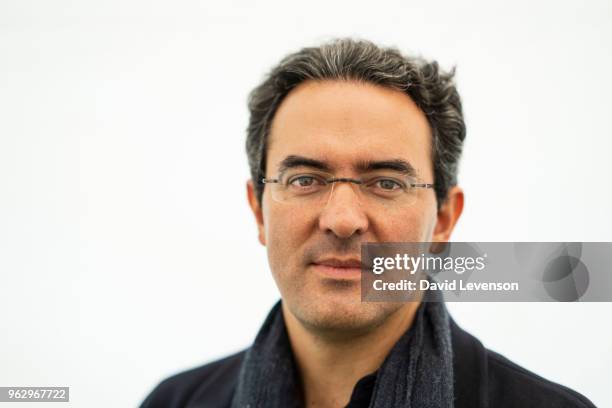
(350, 110)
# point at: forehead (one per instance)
(344, 122)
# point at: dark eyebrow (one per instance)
(301, 161)
(399, 165)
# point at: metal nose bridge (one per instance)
(335, 180)
(344, 180)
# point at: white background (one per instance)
(127, 250)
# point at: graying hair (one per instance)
(432, 89)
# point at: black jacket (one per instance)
(483, 379)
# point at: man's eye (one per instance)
(303, 181)
(388, 185)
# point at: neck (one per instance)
(330, 366)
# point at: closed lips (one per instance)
(338, 263)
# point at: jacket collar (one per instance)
(470, 369)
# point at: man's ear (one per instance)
(448, 215)
(257, 212)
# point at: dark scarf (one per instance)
(417, 373)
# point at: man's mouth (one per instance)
(338, 268)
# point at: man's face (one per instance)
(342, 125)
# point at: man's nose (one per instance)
(344, 214)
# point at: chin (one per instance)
(341, 315)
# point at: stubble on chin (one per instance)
(339, 315)
(329, 307)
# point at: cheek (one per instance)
(414, 225)
(286, 229)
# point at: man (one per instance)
(350, 143)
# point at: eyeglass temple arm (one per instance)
(268, 181)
